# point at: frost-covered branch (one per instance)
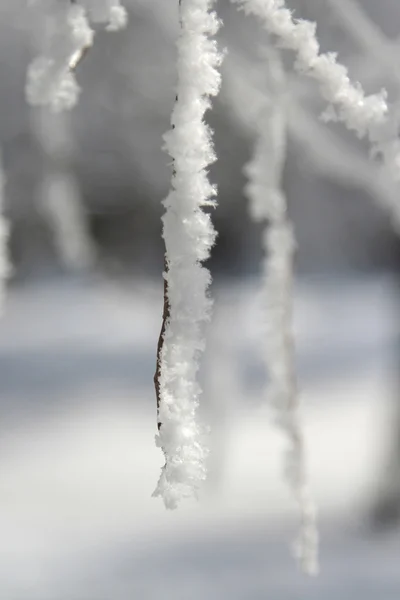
(348, 103)
(65, 36)
(268, 205)
(368, 116)
(106, 11)
(189, 236)
(374, 43)
(333, 157)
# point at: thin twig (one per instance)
(76, 58)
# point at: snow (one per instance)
(78, 462)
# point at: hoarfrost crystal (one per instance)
(189, 236)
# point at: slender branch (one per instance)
(67, 36)
(165, 317)
(360, 113)
(268, 205)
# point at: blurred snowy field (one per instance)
(78, 463)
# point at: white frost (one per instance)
(65, 35)
(189, 235)
(268, 205)
(5, 266)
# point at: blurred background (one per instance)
(82, 317)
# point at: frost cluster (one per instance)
(348, 103)
(5, 266)
(65, 36)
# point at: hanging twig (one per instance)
(165, 317)
(165, 314)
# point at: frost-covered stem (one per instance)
(363, 30)
(268, 205)
(348, 103)
(64, 35)
(110, 12)
(166, 310)
(189, 236)
(368, 116)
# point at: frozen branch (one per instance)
(348, 103)
(106, 11)
(362, 29)
(268, 205)
(377, 47)
(189, 236)
(368, 116)
(331, 154)
(333, 157)
(5, 266)
(65, 36)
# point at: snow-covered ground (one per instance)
(78, 463)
